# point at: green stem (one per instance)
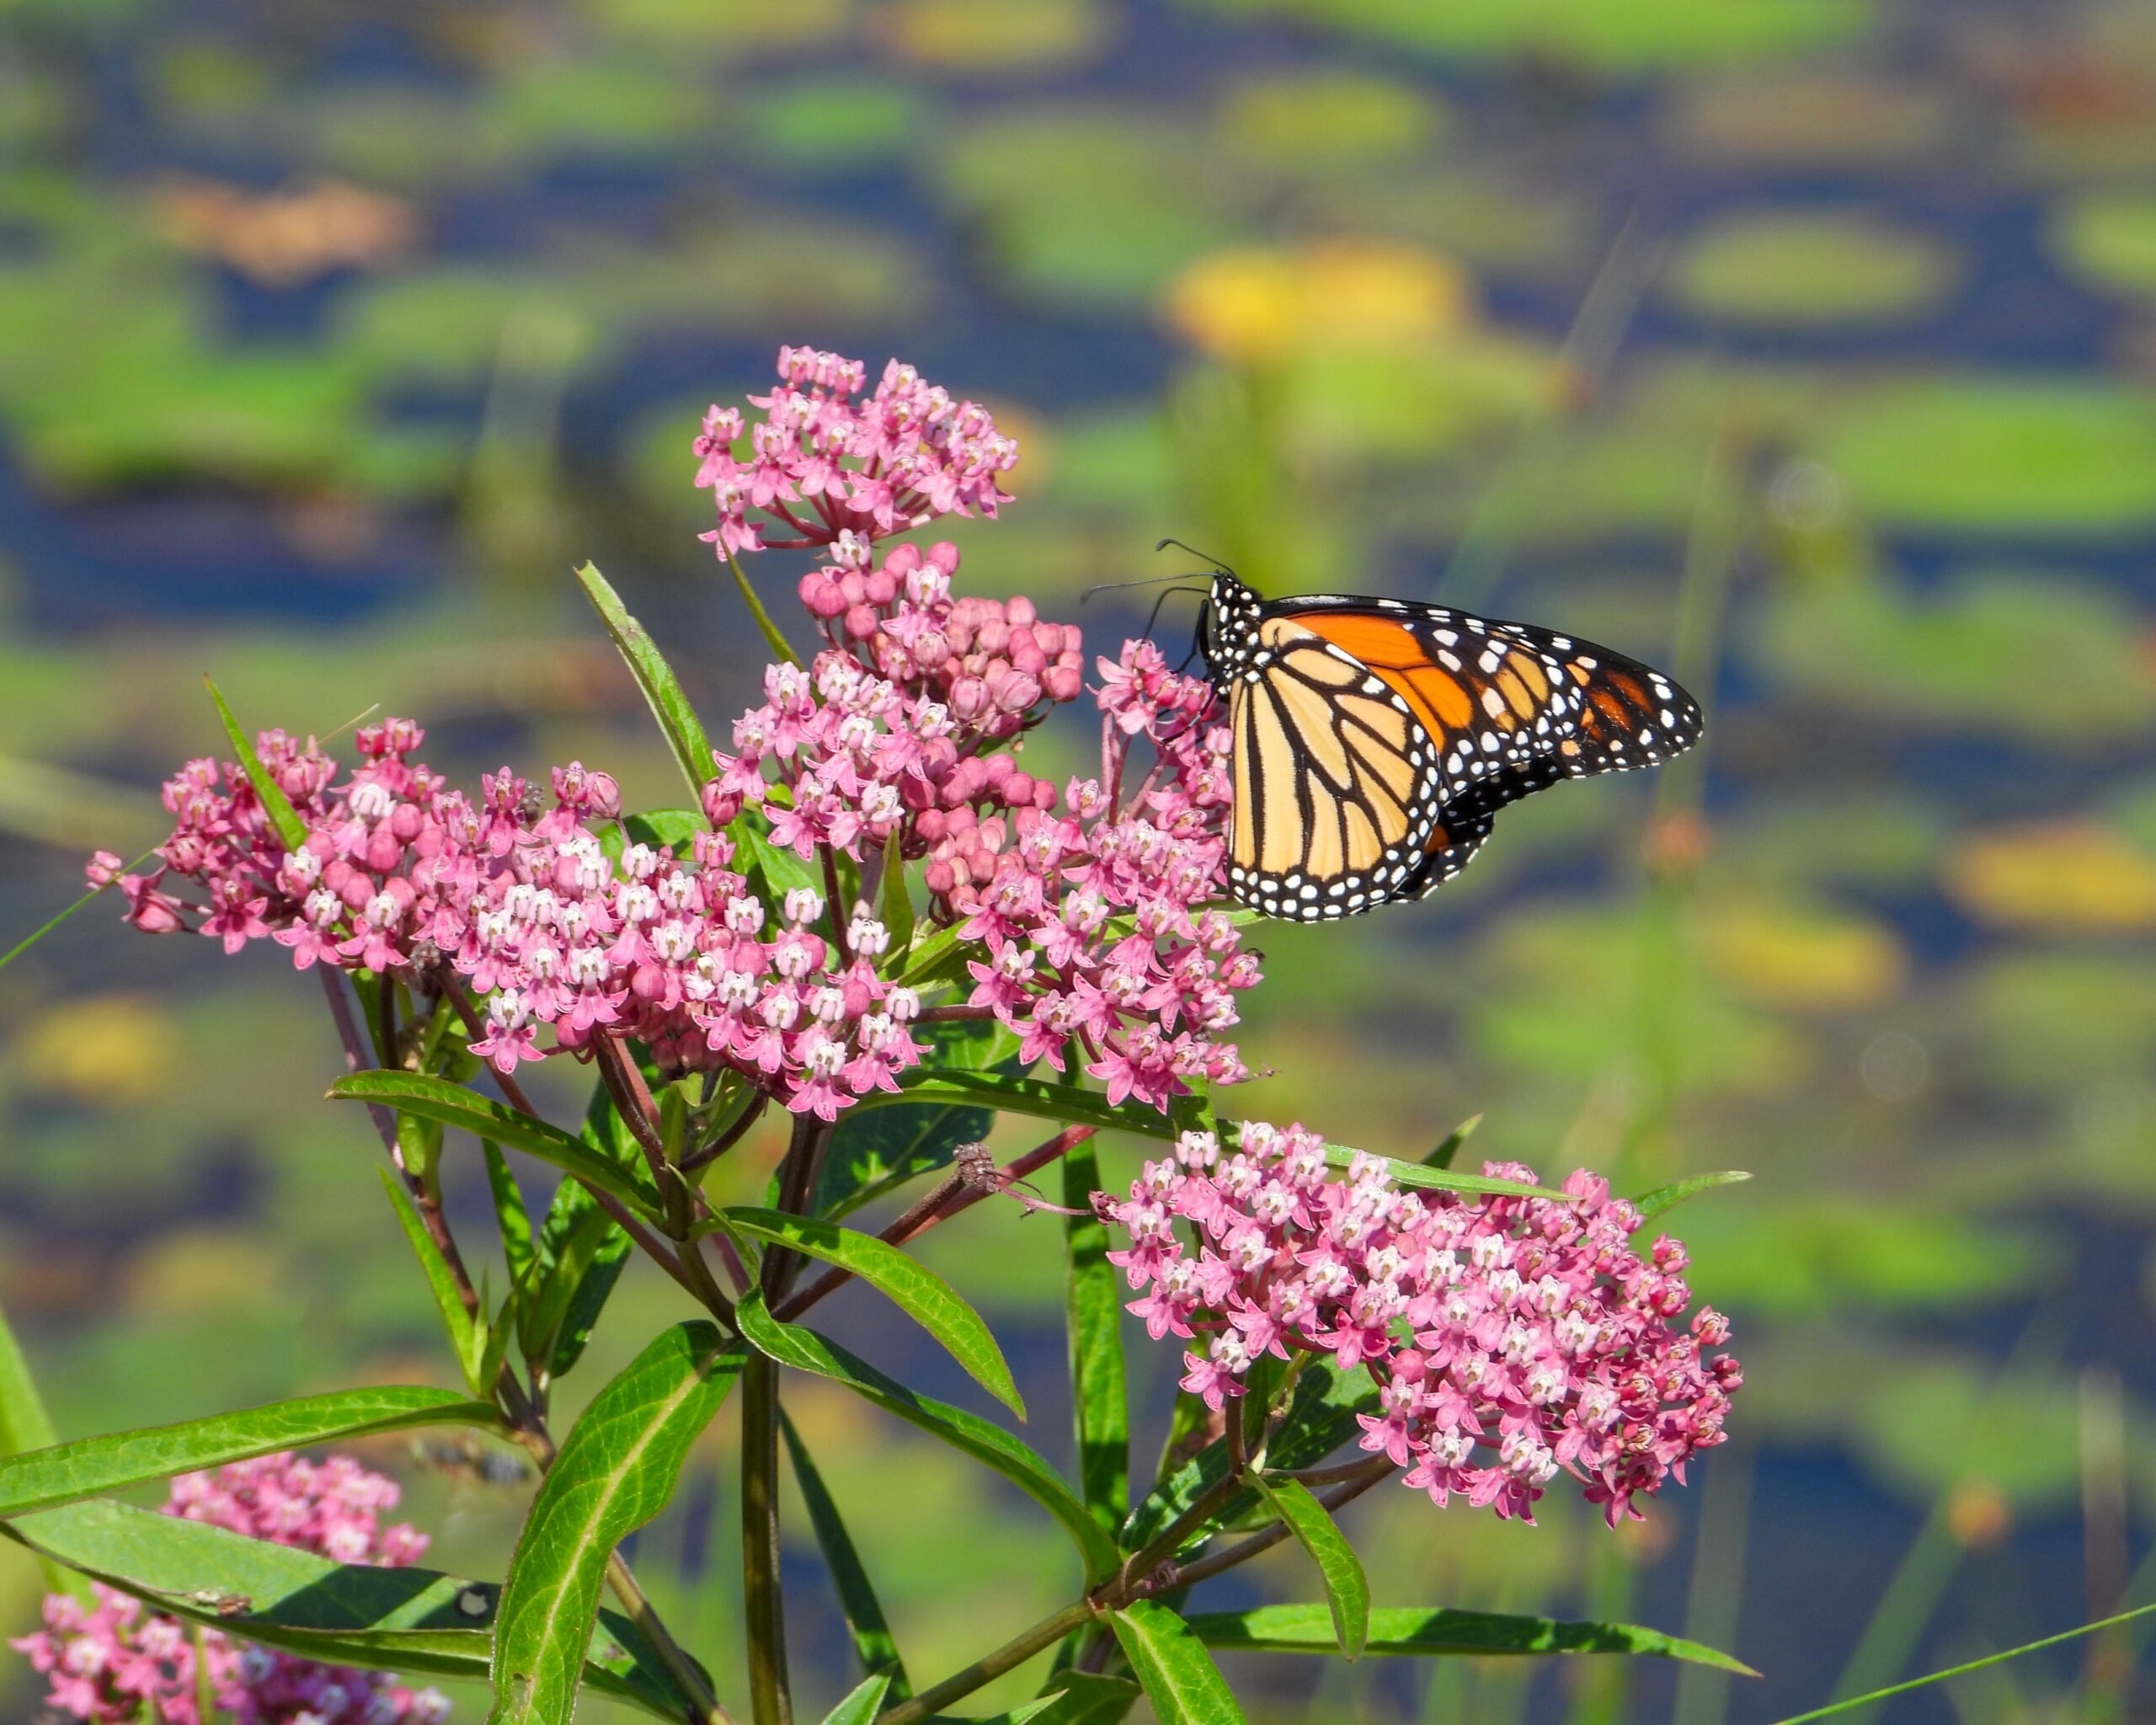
(703, 1704)
(778, 643)
(763, 1605)
(1012, 1654)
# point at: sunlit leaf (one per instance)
(1093, 1314)
(1346, 1589)
(684, 731)
(1179, 1679)
(1308, 1629)
(283, 818)
(872, 1643)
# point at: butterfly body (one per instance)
(1374, 740)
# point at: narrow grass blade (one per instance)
(1093, 1307)
(872, 1643)
(805, 1350)
(772, 638)
(275, 804)
(1665, 1198)
(1444, 1155)
(662, 689)
(467, 1336)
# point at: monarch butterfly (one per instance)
(1374, 741)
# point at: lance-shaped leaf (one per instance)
(662, 689)
(510, 1215)
(895, 901)
(873, 1644)
(806, 1350)
(1034, 1097)
(41, 1479)
(1321, 1416)
(452, 1105)
(1308, 1629)
(1083, 1698)
(467, 1333)
(24, 1424)
(1346, 1589)
(1665, 1198)
(861, 1706)
(1424, 1174)
(1180, 1680)
(774, 869)
(915, 1289)
(1448, 1150)
(616, 1469)
(666, 828)
(284, 819)
(1093, 1305)
(409, 1621)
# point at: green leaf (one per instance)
(774, 870)
(1085, 1698)
(467, 1336)
(24, 1424)
(873, 1153)
(926, 962)
(805, 1350)
(1662, 1198)
(41, 1479)
(915, 1289)
(662, 690)
(290, 829)
(514, 1220)
(1442, 1155)
(1346, 1589)
(1424, 1174)
(1093, 1305)
(861, 1706)
(1179, 1677)
(1308, 1629)
(453, 1105)
(616, 1469)
(584, 1251)
(1321, 1416)
(896, 900)
(872, 1643)
(1063, 1102)
(773, 638)
(410, 1620)
(666, 828)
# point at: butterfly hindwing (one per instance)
(1374, 740)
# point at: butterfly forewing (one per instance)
(1374, 741)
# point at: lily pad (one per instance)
(1789, 117)
(996, 36)
(1976, 454)
(1635, 37)
(2051, 657)
(2048, 1022)
(740, 25)
(1802, 270)
(833, 122)
(2109, 242)
(1087, 207)
(1318, 124)
(2074, 876)
(1801, 957)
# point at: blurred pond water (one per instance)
(1805, 346)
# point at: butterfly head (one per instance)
(1227, 627)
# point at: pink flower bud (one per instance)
(860, 623)
(945, 556)
(969, 699)
(1062, 682)
(102, 869)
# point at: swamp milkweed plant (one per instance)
(871, 921)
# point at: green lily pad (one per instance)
(833, 122)
(1485, 217)
(739, 26)
(2046, 656)
(2046, 1022)
(1319, 124)
(1635, 37)
(1781, 269)
(590, 106)
(1990, 454)
(1083, 207)
(2109, 242)
(1789, 117)
(994, 35)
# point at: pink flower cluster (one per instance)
(857, 469)
(104, 1662)
(1510, 1338)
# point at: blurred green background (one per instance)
(1806, 347)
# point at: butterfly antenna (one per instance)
(1204, 556)
(1119, 586)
